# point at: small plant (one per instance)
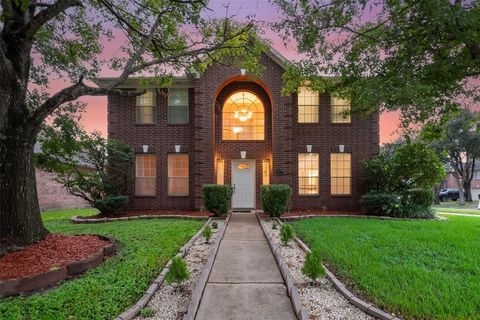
(147, 312)
(207, 233)
(214, 224)
(274, 225)
(178, 271)
(286, 233)
(275, 198)
(312, 267)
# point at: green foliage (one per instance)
(412, 57)
(87, 165)
(275, 198)
(381, 204)
(215, 225)
(178, 271)
(421, 197)
(274, 225)
(147, 312)
(216, 198)
(287, 233)
(312, 267)
(207, 233)
(108, 290)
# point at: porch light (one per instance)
(242, 72)
(341, 148)
(309, 148)
(177, 148)
(243, 154)
(145, 148)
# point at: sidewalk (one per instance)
(245, 282)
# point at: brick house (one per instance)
(226, 127)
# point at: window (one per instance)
(178, 175)
(307, 173)
(307, 105)
(477, 174)
(266, 172)
(146, 107)
(243, 117)
(340, 110)
(145, 175)
(178, 106)
(340, 173)
(220, 171)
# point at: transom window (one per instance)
(243, 117)
(308, 101)
(340, 110)
(146, 107)
(308, 173)
(178, 105)
(178, 174)
(145, 174)
(340, 173)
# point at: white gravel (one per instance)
(321, 299)
(169, 302)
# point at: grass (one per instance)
(454, 207)
(106, 291)
(416, 269)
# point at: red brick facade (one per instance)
(284, 138)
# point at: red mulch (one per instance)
(57, 250)
(154, 213)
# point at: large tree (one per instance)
(416, 56)
(41, 40)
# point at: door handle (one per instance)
(233, 188)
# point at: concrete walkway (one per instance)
(245, 282)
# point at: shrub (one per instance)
(214, 224)
(381, 204)
(109, 205)
(217, 198)
(414, 211)
(275, 198)
(178, 271)
(207, 233)
(286, 233)
(419, 197)
(312, 267)
(274, 225)
(147, 312)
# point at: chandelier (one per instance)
(243, 115)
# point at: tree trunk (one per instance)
(460, 190)
(468, 191)
(436, 190)
(20, 220)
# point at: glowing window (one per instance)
(340, 173)
(178, 174)
(307, 105)
(266, 172)
(146, 107)
(340, 110)
(220, 171)
(243, 117)
(308, 173)
(145, 175)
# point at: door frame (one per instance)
(252, 162)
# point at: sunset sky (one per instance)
(95, 117)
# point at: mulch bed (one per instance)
(299, 213)
(56, 251)
(153, 213)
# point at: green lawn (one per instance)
(418, 269)
(106, 291)
(454, 207)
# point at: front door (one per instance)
(243, 182)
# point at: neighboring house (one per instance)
(226, 127)
(51, 194)
(451, 182)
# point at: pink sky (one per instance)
(95, 117)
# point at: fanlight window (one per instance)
(243, 117)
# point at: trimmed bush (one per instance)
(216, 198)
(419, 197)
(207, 233)
(178, 271)
(412, 204)
(286, 233)
(275, 198)
(111, 204)
(312, 267)
(381, 204)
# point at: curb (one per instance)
(292, 291)
(197, 292)
(134, 310)
(347, 294)
(77, 219)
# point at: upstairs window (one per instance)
(243, 117)
(146, 107)
(308, 173)
(340, 110)
(308, 101)
(178, 106)
(178, 174)
(340, 173)
(145, 175)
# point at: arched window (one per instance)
(243, 117)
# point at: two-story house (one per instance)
(225, 127)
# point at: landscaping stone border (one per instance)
(341, 287)
(197, 292)
(134, 310)
(292, 291)
(36, 282)
(77, 219)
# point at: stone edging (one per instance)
(12, 287)
(77, 219)
(134, 310)
(310, 216)
(301, 313)
(197, 292)
(340, 286)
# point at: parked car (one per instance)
(447, 194)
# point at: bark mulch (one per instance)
(299, 213)
(153, 213)
(57, 250)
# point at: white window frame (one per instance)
(342, 176)
(142, 177)
(185, 105)
(142, 103)
(170, 177)
(315, 176)
(338, 107)
(305, 92)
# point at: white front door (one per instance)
(243, 182)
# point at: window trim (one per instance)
(332, 114)
(330, 174)
(188, 177)
(308, 88)
(316, 194)
(154, 110)
(172, 106)
(156, 176)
